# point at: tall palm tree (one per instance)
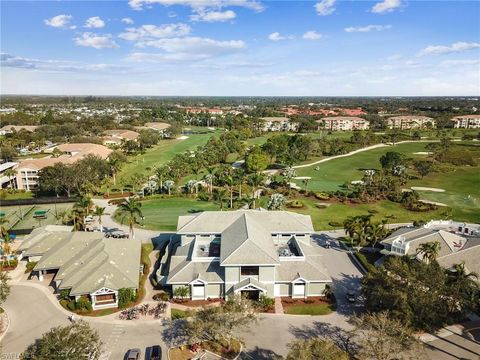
(7, 247)
(11, 174)
(83, 206)
(255, 180)
(429, 251)
(219, 195)
(114, 164)
(131, 210)
(230, 184)
(99, 212)
(3, 229)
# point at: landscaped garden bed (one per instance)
(187, 352)
(197, 303)
(316, 305)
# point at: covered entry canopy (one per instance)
(249, 284)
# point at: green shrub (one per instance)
(125, 297)
(64, 294)
(321, 206)
(181, 292)
(322, 195)
(71, 305)
(335, 224)
(64, 303)
(30, 265)
(9, 264)
(266, 302)
(363, 260)
(178, 314)
(83, 304)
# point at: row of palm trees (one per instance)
(363, 231)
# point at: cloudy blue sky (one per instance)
(241, 47)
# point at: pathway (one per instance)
(359, 151)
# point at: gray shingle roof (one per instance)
(86, 261)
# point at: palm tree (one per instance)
(168, 184)
(11, 174)
(83, 206)
(6, 247)
(219, 194)
(3, 230)
(114, 164)
(429, 251)
(230, 184)
(255, 180)
(376, 232)
(99, 212)
(305, 182)
(131, 209)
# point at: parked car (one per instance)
(133, 354)
(118, 234)
(351, 296)
(155, 352)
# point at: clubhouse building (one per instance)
(249, 252)
(86, 263)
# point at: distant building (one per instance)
(408, 122)
(248, 252)
(466, 122)
(86, 263)
(161, 127)
(115, 137)
(6, 181)
(459, 242)
(27, 170)
(278, 124)
(9, 129)
(343, 123)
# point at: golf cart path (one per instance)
(359, 151)
(421, 188)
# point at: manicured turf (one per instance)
(309, 309)
(332, 174)
(162, 153)
(162, 214)
(339, 212)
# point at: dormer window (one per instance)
(249, 270)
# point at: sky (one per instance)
(241, 48)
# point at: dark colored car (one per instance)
(133, 354)
(351, 296)
(155, 352)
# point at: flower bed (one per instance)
(197, 303)
(186, 352)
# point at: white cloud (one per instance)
(275, 36)
(12, 61)
(149, 32)
(367, 28)
(186, 49)
(312, 35)
(200, 4)
(466, 62)
(94, 22)
(213, 16)
(89, 39)
(127, 20)
(59, 21)
(386, 6)
(325, 7)
(445, 49)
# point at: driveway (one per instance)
(146, 236)
(31, 314)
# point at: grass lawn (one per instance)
(19, 195)
(309, 309)
(330, 175)
(339, 212)
(160, 154)
(162, 214)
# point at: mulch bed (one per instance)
(288, 301)
(197, 303)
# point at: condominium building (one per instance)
(408, 122)
(466, 122)
(343, 123)
(278, 124)
(27, 170)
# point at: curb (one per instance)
(8, 325)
